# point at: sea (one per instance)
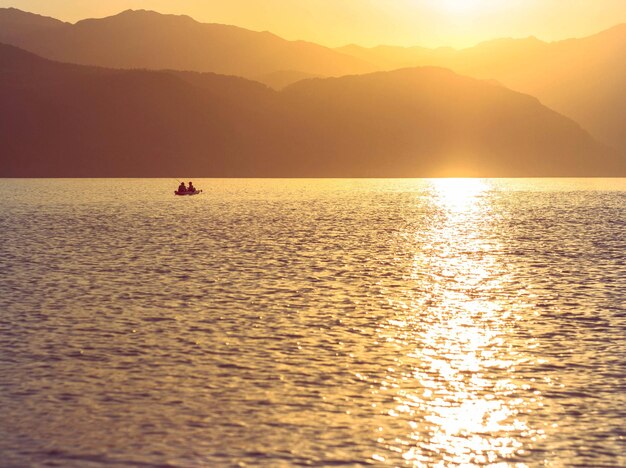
(302, 322)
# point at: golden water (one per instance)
(313, 322)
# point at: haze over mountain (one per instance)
(146, 39)
(581, 78)
(70, 120)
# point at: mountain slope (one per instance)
(75, 121)
(70, 120)
(453, 124)
(16, 25)
(581, 78)
(146, 39)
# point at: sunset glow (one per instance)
(430, 23)
(458, 195)
(312, 233)
(461, 6)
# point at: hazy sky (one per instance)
(369, 22)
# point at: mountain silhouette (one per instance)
(146, 39)
(581, 78)
(64, 120)
(280, 79)
(16, 25)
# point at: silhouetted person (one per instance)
(182, 188)
(191, 187)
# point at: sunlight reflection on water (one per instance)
(459, 415)
(448, 322)
(470, 418)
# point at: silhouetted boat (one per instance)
(195, 192)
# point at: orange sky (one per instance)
(459, 23)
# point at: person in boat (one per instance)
(191, 187)
(182, 188)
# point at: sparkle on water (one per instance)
(452, 322)
(470, 418)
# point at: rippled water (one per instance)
(311, 322)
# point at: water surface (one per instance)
(313, 322)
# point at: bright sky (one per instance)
(458, 23)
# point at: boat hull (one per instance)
(186, 194)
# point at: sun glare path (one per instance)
(456, 410)
(458, 195)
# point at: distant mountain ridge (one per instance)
(63, 120)
(146, 39)
(581, 78)
(15, 24)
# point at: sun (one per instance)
(461, 6)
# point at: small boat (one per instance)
(182, 194)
